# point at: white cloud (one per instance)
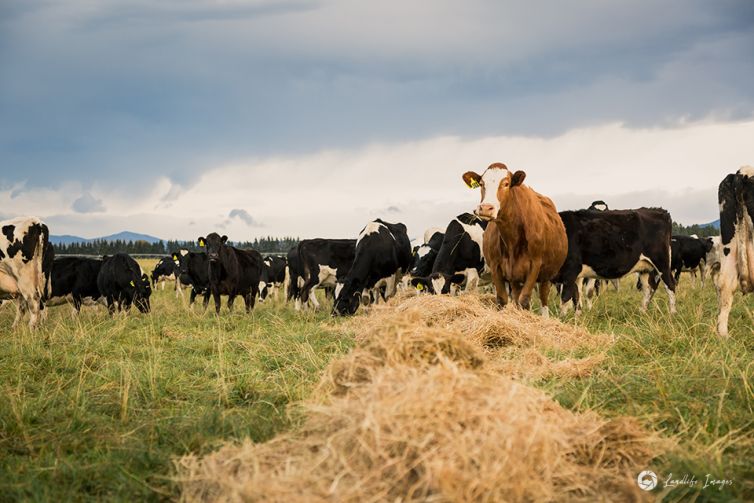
(333, 193)
(87, 203)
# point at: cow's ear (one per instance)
(517, 178)
(224, 238)
(202, 241)
(175, 257)
(472, 180)
(419, 283)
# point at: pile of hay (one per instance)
(419, 412)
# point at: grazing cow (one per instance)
(26, 258)
(122, 283)
(273, 276)
(688, 254)
(193, 271)
(383, 254)
(167, 270)
(460, 257)
(75, 278)
(610, 244)
(232, 272)
(713, 259)
(424, 256)
(322, 263)
(526, 242)
(736, 198)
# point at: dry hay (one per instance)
(420, 411)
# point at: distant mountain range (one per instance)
(123, 236)
(715, 224)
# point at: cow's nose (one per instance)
(486, 208)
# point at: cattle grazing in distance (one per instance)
(423, 257)
(712, 260)
(166, 270)
(232, 272)
(272, 277)
(689, 254)
(598, 206)
(525, 242)
(26, 258)
(322, 263)
(610, 244)
(122, 282)
(75, 278)
(460, 258)
(736, 198)
(383, 254)
(193, 272)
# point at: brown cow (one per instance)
(527, 243)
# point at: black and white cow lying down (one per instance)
(383, 254)
(231, 271)
(610, 244)
(74, 279)
(736, 199)
(122, 282)
(460, 258)
(320, 263)
(26, 259)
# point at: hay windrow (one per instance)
(420, 410)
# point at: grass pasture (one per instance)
(95, 408)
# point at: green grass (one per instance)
(95, 408)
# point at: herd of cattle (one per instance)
(515, 239)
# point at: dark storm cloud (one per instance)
(123, 92)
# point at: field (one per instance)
(97, 408)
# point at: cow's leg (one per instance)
(192, 296)
(667, 278)
(615, 283)
(313, 299)
(569, 292)
(390, 287)
(20, 310)
(231, 301)
(501, 290)
(110, 305)
(472, 280)
(544, 294)
(727, 284)
(588, 292)
(524, 297)
(77, 302)
(702, 271)
(646, 289)
(178, 288)
(252, 295)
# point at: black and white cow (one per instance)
(613, 243)
(689, 254)
(424, 256)
(232, 272)
(736, 198)
(193, 272)
(122, 282)
(383, 255)
(273, 276)
(75, 278)
(26, 258)
(321, 263)
(166, 270)
(713, 259)
(460, 257)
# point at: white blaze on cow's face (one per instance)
(494, 180)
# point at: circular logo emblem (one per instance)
(647, 480)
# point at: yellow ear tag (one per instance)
(419, 287)
(473, 184)
(132, 283)
(201, 242)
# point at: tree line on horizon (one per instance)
(103, 247)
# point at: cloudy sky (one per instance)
(310, 117)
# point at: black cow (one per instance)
(383, 254)
(122, 282)
(322, 263)
(459, 259)
(689, 253)
(424, 256)
(612, 243)
(736, 198)
(77, 277)
(273, 275)
(193, 271)
(295, 276)
(232, 272)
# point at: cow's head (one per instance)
(496, 183)
(213, 243)
(347, 299)
(142, 292)
(422, 261)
